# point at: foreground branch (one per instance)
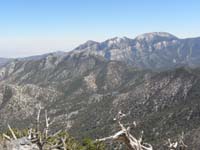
(38, 137)
(177, 145)
(125, 136)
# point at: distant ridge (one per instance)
(155, 50)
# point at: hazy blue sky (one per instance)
(29, 27)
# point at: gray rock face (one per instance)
(158, 50)
(19, 144)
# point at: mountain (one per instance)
(157, 50)
(3, 61)
(84, 89)
(38, 57)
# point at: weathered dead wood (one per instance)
(38, 136)
(125, 136)
(177, 145)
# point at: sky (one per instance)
(32, 27)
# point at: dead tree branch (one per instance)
(177, 145)
(125, 136)
(12, 132)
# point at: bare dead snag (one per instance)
(125, 136)
(12, 132)
(38, 119)
(6, 137)
(47, 123)
(177, 145)
(38, 136)
(172, 145)
(63, 142)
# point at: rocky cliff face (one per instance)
(83, 90)
(158, 50)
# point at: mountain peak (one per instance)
(90, 42)
(117, 39)
(87, 44)
(152, 36)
